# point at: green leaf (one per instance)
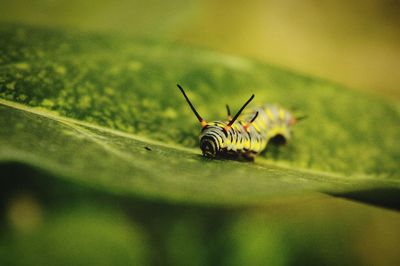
(110, 116)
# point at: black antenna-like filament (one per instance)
(240, 111)
(201, 120)
(254, 118)
(229, 112)
(301, 117)
(295, 120)
(251, 121)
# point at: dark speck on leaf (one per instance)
(147, 148)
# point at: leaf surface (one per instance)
(104, 110)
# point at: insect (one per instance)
(246, 134)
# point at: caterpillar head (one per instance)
(213, 135)
(212, 139)
(209, 146)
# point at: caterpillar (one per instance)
(246, 134)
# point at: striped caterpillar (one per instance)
(244, 135)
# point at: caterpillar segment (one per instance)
(246, 134)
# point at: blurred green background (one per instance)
(46, 221)
(352, 42)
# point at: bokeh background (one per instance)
(47, 221)
(355, 43)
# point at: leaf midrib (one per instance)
(77, 125)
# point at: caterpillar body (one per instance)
(246, 134)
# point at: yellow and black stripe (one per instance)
(246, 134)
